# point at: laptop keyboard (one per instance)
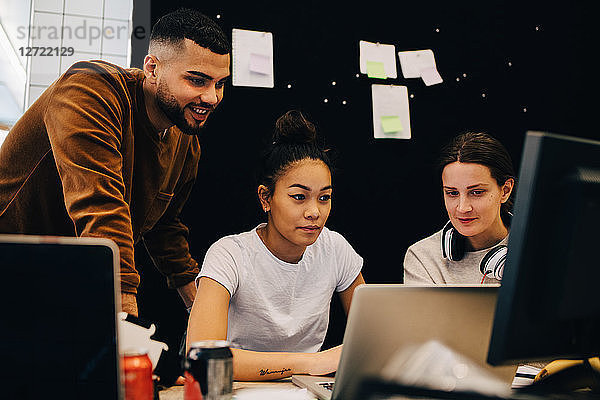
(327, 385)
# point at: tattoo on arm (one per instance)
(267, 371)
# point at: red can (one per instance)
(137, 374)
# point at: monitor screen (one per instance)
(58, 322)
(548, 305)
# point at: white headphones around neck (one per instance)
(453, 248)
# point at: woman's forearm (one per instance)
(262, 366)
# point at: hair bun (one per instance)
(293, 128)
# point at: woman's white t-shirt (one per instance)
(275, 305)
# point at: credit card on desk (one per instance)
(524, 376)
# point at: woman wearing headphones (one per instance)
(477, 182)
(268, 291)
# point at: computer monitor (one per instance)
(58, 304)
(548, 306)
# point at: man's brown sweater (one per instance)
(84, 160)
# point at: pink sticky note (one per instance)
(260, 63)
(431, 76)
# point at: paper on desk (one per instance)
(391, 116)
(524, 376)
(252, 53)
(273, 394)
(378, 53)
(420, 64)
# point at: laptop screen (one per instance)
(58, 319)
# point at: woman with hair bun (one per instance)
(477, 184)
(267, 291)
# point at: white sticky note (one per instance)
(377, 52)
(390, 101)
(431, 76)
(260, 63)
(413, 62)
(252, 53)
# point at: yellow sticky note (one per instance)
(375, 69)
(391, 124)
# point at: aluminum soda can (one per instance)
(209, 363)
(137, 375)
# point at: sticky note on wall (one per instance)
(376, 69)
(260, 63)
(391, 115)
(420, 64)
(431, 76)
(378, 53)
(391, 123)
(252, 53)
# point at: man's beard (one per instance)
(168, 104)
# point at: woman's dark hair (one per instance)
(482, 148)
(294, 139)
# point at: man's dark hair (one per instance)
(184, 23)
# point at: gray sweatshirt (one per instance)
(424, 263)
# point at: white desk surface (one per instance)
(176, 392)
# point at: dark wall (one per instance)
(528, 60)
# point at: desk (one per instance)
(176, 392)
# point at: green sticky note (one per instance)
(391, 124)
(375, 70)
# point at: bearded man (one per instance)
(112, 152)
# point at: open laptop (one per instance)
(58, 301)
(385, 318)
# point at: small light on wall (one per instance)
(357, 75)
(483, 95)
(218, 16)
(437, 30)
(510, 64)
(524, 109)
(412, 96)
(457, 79)
(464, 75)
(333, 83)
(344, 102)
(537, 28)
(289, 86)
(325, 100)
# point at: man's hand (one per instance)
(129, 303)
(187, 293)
